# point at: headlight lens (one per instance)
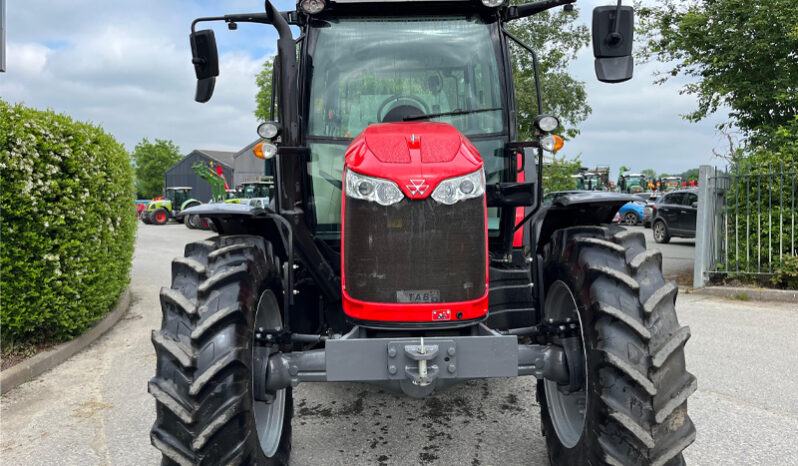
(383, 192)
(459, 188)
(312, 7)
(492, 3)
(268, 130)
(547, 123)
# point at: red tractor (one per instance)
(407, 246)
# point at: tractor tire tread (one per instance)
(201, 386)
(642, 386)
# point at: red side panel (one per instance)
(518, 238)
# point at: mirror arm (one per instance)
(534, 66)
(529, 9)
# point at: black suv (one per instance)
(675, 215)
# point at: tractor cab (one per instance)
(256, 189)
(632, 183)
(177, 195)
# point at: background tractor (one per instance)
(632, 183)
(669, 183)
(175, 200)
(407, 246)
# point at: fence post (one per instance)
(704, 225)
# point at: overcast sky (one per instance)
(126, 66)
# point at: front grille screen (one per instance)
(415, 251)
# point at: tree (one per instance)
(557, 174)
(151, 161)
(741, 55)
(263, 99)
(556, 38)
(649, 174)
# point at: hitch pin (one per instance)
(422, 365)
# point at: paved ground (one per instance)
(94, 408)
(678, 256)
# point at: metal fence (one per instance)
(746, 221)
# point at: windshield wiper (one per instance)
(458, 112)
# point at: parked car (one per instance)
(649, 209)
(675, 215)
(631, 213)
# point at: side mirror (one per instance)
(694, 205)
(206, 63)
(613, 35)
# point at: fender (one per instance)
(571, 208)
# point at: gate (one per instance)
(746, 221)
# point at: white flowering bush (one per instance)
(67, 224)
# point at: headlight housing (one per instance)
(459, 188)
(367, 188)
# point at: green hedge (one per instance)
(68, 224)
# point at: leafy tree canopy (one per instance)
(557, 174)
(151, 161)
(263, 99)
(649, 173)
(742, 55)
(556, 38)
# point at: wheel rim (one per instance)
(567, 411)
(631, 219)
(160, 217)
(659, 230)
(269, 417)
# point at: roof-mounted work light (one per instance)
(492, 3)
(312, 7)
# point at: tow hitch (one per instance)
(419, 362)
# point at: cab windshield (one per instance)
(367, 70)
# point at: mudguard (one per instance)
(570, 208)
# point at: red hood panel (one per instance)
(415, 155)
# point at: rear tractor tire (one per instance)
(145, 217)
(632, 407)
(206, 412)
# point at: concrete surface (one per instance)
(759, 294)
(94, 408)
(678, 255)
(46, 360)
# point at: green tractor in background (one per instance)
(175, 199)
(632, 183)
(669, 183)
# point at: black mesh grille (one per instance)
(415, 246)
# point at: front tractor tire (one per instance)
(207, 413)
(159, 216)
(631, 408)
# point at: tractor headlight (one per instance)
(460, 187)
(367, 188)
(546, 123)
(269, 130)
(312, 7)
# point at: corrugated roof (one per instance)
(247, 149)
(223, 157)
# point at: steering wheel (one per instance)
(405, 108)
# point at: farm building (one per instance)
(247, 167)
(182, 173)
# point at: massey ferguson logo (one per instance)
(417, 187)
